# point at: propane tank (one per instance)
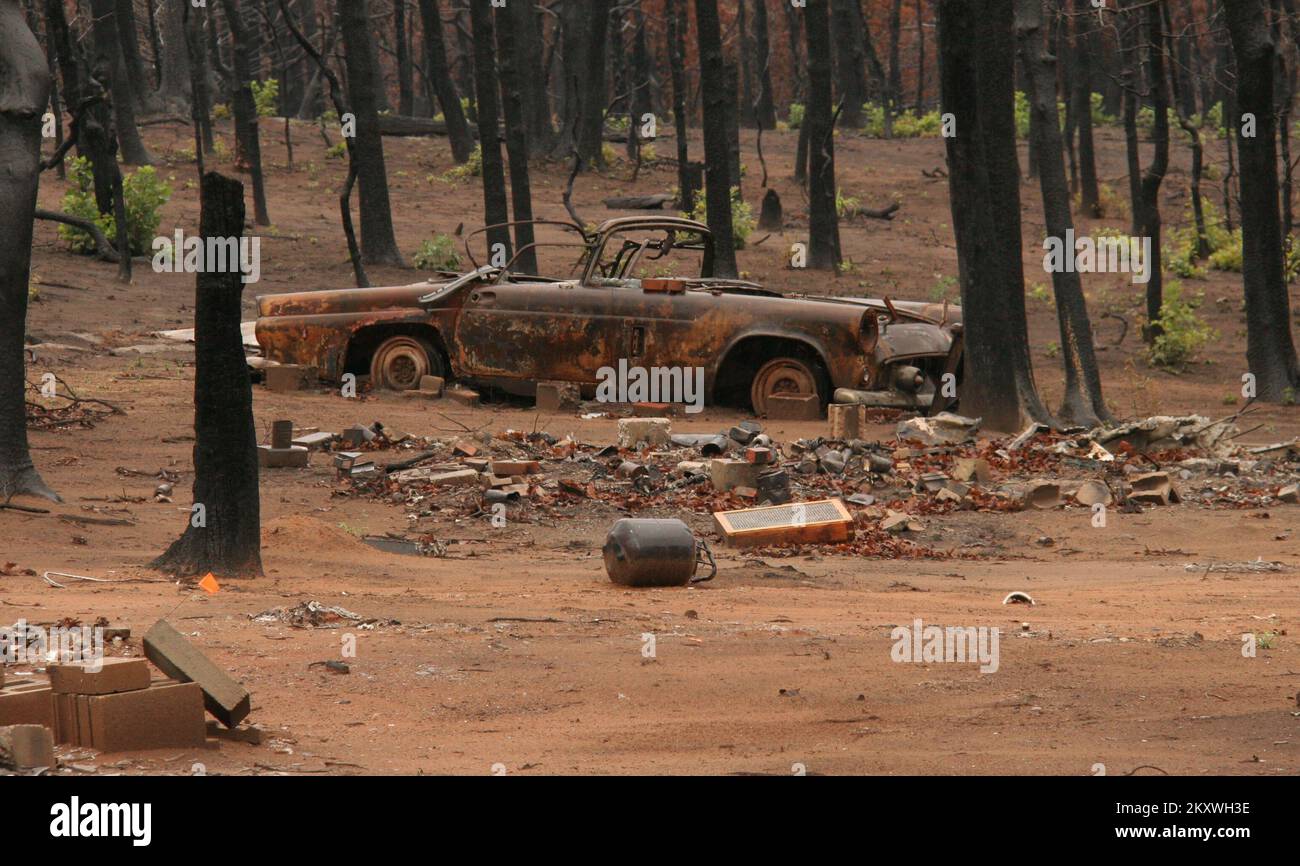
(647, 552)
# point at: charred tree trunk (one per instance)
(895, 95)
(512, 88)
(245, 109)
(405, 77)
(920, 56)
(532, 75)
(1081, 95)
(687, 186)
(24, 92)
(110, 69)
(593, 89)
(224, 537)
(976, 76)
(200, 86)
(717, 156)
(1146, 213)
(850, 72)
(745, 50)
(494, 180)
(1082, 401)
(132, 62)
(731, 105)
(174, 88)
(1270, 351)
(378, 244)
(823, 221)
(765, 110)
(794, 34)
(435, 51)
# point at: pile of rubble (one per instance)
(934, 466)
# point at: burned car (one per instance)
(640, 292)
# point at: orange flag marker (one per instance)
(209, 584)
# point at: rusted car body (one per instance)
(493, 327)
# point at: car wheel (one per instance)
(787, 377)
(400, 362)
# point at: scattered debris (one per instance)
(1018, 598)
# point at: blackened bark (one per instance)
(132, 62)
(640, 102)
(850, 73)
(111, 70)
(765, 111)
(24, 92)
(571, 35)
(228, 543)
(975, 63)
(895, 96)
(1146, 212)
(378, 244)
(592, 86)
(1270, 351)
(435, 52)
(794, 34)
(485, 86)
(920, 56)
(245, 109)
(717, 157)
(200, 86)
(675, 11)
(532, 75)
(1082, 401)
(174, 88)
(521, 196)
(731, 106)
(1081, 96)
(405, 90)
(823, 221)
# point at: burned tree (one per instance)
(24, 91)
(435, 52)
(1270, 351)
(378, 244)
(823, 222)
(976, 51)
(1081, 97)
(765, 108)
(110, 68)
(521, 196)
(246, 130)
(688, 173)
(1082, 401)
(850, 71)
(494, 179)
(591, 127)
(224, 531)
(717, 154)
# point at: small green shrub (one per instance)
(438, 254)
(221, 111)
(337, 151)
(472, 167)
(796, 115)
(1181, 332)
(265, 95)
(1228, 256)
(1099, 115)
(144, 194)
(742, 216)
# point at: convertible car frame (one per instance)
(495, 327)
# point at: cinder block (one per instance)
(806, 407)
(728, 474)
(464, 396)
(176, 657)
(431, 386)
(65, 719)
(558, 396)
(27, 704)
(510, 468)
(290, 377)
(114, 675)
(293, 457)
(167, 715)
(24, 747)
(653, 431)
(847, 420)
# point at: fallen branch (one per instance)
(884, 213)
(103, 249)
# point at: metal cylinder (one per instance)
(647, 552)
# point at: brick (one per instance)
(515, 467)
(431, 386)
(847, 420)
(782, 407)
(293, 457)
(758, 454)
(27, 704)
(167, 715)
(289, 377)
(728, 474)
(653, 431)
(24, 747)
(557, 396)
(464, 396)
(653, 410)
(65, 719)
(176, 657)
(461, 448)
(114, 675)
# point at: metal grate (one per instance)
(783, 515)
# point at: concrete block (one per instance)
(727, 474)
(27, 704)
(431, 386)
(558, 396)
(794, 408)
(319, 440)
(167, 715)
(293, 457)
(24, 747)
(176, 657)
(290, 377)
(848, 420)
(464, 396)
(652, 431)
(510, 468)
(114, 675)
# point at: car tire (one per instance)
(792, 377)
(398, 363)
